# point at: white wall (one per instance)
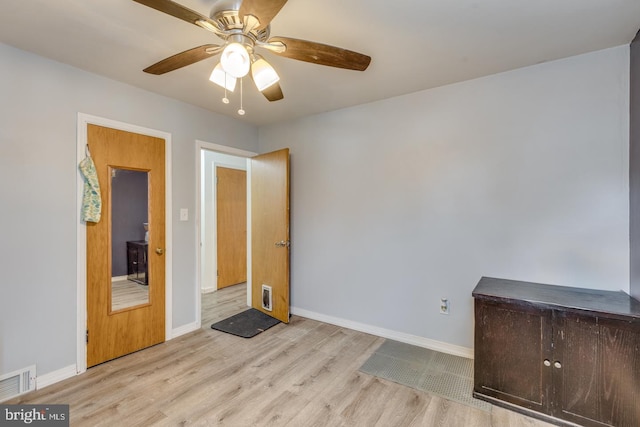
(210, 160)
(521, 175)
(39, 103)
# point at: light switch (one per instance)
(184, 214)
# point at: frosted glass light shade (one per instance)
(235, 60)
(218, 77)
(263, 74)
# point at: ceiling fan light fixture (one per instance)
(264, 75)
(235, 60)
(222, 79)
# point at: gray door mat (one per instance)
(445, 375)
(247, 324)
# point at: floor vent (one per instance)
(17, 383)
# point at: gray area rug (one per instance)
(427, 370)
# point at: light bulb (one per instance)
(235, 60)
(241, 112)
(222, 79)
(263, 74)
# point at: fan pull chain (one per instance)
(241, 110)
(225, 100)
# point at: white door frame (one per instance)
(81, 243)
(209, 146)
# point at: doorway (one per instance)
(268, 216)
(209, 156)
(210, 161)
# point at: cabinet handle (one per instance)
(547, 362)
(557, 365)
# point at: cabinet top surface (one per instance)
(138, 242)
(606, 302)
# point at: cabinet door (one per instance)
(142, 264)
(511, 343)
(132, 260)
(598, 382)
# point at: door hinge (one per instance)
(87, 336)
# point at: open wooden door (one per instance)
(113, 331)
(270, 234)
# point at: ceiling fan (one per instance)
(244, 25)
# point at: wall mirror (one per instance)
(129, 238)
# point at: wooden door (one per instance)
(114, 333)
(270, 233)
(231, 220)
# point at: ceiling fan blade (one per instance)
(264, 10)
(318, 53)
(273, 92)
(183, 59)
(177, 10)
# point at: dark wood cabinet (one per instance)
(137, 262)
(566, 355)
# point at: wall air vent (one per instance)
(17, 383)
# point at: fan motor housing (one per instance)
(225, 14)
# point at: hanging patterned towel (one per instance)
(91, 200)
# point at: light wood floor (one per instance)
(126, 293)
(302, 374)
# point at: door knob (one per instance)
(159, 251)
(283, 244)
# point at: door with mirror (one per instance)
(125, 249)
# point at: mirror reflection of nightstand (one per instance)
(137, 261)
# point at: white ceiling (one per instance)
(414, 44)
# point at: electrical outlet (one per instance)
(444, 306)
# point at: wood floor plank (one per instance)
(414, 403)
(301, 374)
(367, 405)
(317, 414)
(126, 293)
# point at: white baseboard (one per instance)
(119, 278)
(182, 330)
(443, 347)
(45, 380)
(208, 290)
(71, 371)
